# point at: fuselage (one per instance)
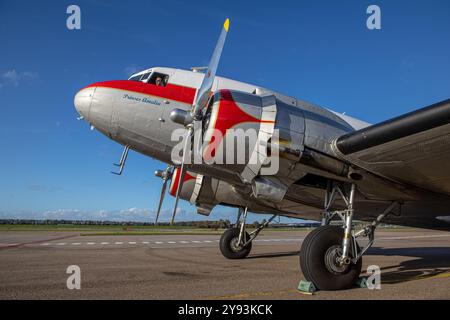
(136, 113)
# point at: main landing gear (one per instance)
(236, 243)
(330, 256)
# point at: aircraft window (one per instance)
(136, 78)
(145, 76)
(159, 79)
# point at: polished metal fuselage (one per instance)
(141, 121)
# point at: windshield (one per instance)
(140, 77)
(136, 78)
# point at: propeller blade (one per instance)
(205, 88)
(165, 175)
(161, 199)
(182, 172)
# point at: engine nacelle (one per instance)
(238, 128)
(204, 192)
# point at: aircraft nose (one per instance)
(82, 101)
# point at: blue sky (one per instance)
(52, 165)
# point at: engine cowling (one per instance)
(238, 127)
(203, 191)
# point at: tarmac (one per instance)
(414, 264)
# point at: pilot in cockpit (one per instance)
(159, 81)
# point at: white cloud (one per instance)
(14, 78)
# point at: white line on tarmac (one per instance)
(211, 241)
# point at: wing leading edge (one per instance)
(412, 149)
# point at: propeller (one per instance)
(192, 120)
(165, 175)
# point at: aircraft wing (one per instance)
(412, 149)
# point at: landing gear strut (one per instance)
(330, 256)
(236, 243)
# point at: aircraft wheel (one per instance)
(228, 245)
(318, 260)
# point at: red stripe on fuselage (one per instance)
(229, 115)
(170, 91)
(176, 180)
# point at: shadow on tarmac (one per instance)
(427, 262)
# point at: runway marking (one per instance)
(442, 275)
(6, 245)
(171, 242)
(17, 245)
(156, 242)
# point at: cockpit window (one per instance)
(141, 77)
(145, 76)
(159, 79)
(136, 78)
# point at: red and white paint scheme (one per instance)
(329, 165)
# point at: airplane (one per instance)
(331, 167)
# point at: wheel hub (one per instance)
(332, 260)
(234, 244)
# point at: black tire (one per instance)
(313, 255)
(228, 249)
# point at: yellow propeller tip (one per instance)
(226, 25)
